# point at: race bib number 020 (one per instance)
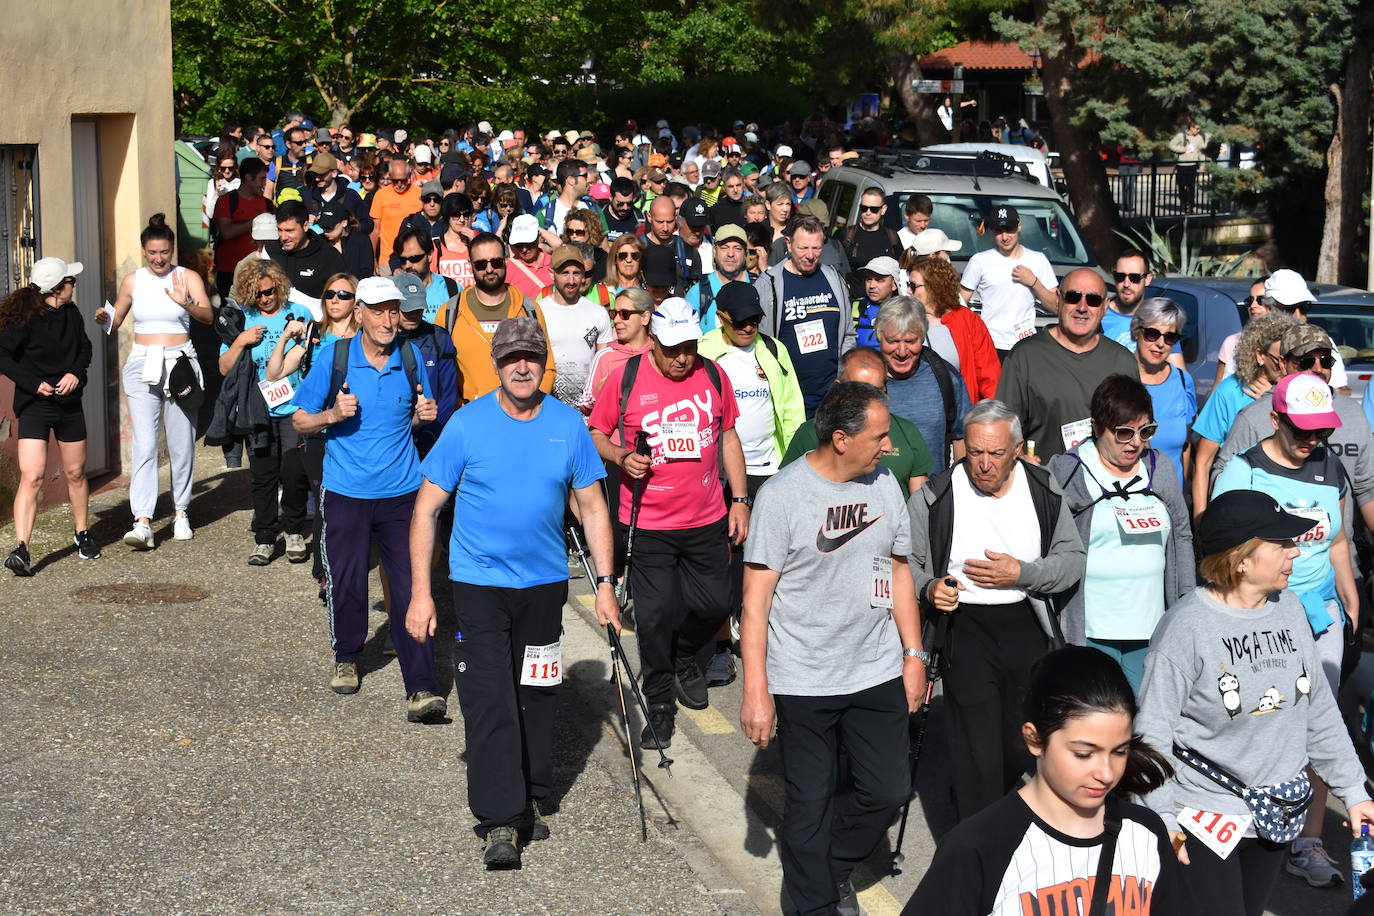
(681, 439)
(543, 666)
(1218, 832)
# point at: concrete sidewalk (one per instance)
(189, 757)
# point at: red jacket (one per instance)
(978, 361)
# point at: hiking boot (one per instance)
(1309, 860)
(140, 537)
(345, 679)
(538, 828)
(848, 904)
(18, 561)
(295, 548)
(85, 546)
(423, 706)
(501, 853)
(689, 684)
(720, 670)
(662, 721)
(181, 528)
(261, 555)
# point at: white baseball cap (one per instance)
(883, 266)
(48, 273)
(505, 136)
(264, 228)
(424, 155)
(376, 290)
(484, 126)
(524, 229)
(929, 241)
(1287, 287)
(783, 152)
(400, 136)
(675, 321)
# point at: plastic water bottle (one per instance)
(1361, 860)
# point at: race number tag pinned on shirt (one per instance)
(882, 582)
(1318, 531)
(1142, 519)
(811, 336)
(1218, 832)
(1075, 432)
(1025, 327)
(680, 439)
(543, 666)
(276, 393)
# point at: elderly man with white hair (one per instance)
(922, 386)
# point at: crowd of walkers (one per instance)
(790, 455)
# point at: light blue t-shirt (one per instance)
(709, 322)
(275, 325)
(1175, 406)
(436, 294)
(371, 455)
(1117, 327)
(512, 479)
(1228, 399)
(1123, 585)
(1313, 491)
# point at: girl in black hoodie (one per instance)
(45, 352)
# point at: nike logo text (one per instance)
(852, 517)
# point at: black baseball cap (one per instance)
(660, 266)
(740, 301)
(1236, 516)
(1005, 217)
(694, 212)
(331, 214)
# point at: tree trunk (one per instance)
(919, 108)
(1346, 161)
(1084, 171)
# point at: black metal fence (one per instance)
(1162, 189)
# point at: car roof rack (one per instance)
(980, 164)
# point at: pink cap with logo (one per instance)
(1306, 400)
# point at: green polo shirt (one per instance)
(909, 456)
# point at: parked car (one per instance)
(1033, 159)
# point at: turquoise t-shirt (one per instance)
(511, 479)
(1228, 399)
(1123, 585)
(1313, 491)
(1175, 404)
(275, 325)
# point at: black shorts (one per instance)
(44, 415)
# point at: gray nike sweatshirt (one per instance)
(1245, 689)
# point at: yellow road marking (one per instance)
(876, 901)
(709, 720)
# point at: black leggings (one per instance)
(1238, 885)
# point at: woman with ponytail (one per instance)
(1066, 842)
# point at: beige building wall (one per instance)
(110, 62)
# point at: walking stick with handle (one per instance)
(636, 498)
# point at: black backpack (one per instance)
(627, 382)
(339, 370)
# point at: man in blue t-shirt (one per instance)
(1132, 275)
(371, 473)
(915, 389)
(806, 307)
(511, 457)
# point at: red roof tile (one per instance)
(979, 55)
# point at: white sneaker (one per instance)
(181, 528)
(140, 537)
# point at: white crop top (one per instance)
(153, 310)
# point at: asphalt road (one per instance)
(189, 757)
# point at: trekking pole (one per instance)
(917, 726)
(629, 740)
(622, 593)
(575, 535)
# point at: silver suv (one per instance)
(964, 190)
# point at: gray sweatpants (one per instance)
(151, 410)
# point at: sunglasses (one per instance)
(431, 199)
(1125, 434)
(411, 258)
(1153, 334)
(489, 264)
(624, 314)
(1253, 300)
(1304, 434)
(1073, 297)
(1134, 278)
(740, 325)
(345, 136)
(296, 142)
(366, 176)
(466, 214)
(342, 295)
(266, 293)
(867, 208)
(1305, 363)
(226, 169)
(577, 232)
(912, 287)
(627, 256)
(505, 206)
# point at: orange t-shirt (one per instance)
(390, 208)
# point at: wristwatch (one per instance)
(606, 580)
(922, 654)
(741, 499)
